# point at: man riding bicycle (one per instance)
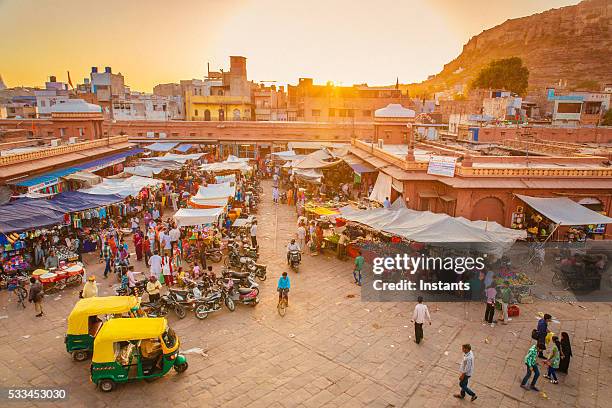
(283, 288)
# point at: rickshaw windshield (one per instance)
(169, 338)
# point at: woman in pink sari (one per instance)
(138, 245)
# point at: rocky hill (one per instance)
(572, 44)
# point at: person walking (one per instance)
(566, 353)
(359, 261)
(301, 236)
(506, 295)
(275, 194)
(167, 271)
(467, 370)
(532, 366)
(90, 289)
(490, 293)
(138, 245)
(553, 361)
(254, 234)
(155, 265)
(543, 330)
(420, 314)
(107, 255)
(36, 295)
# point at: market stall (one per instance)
(185, 217)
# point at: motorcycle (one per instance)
(212, 303)
(161, 307)
(239, 279)
(235, 259)
(256, 269)
(245, 296)
(140, 288)
(295, 257)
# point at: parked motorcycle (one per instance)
(140, 287)
(161, 307)
(245, 296)
(240, 279)
(212, 303)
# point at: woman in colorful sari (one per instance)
(138, 245)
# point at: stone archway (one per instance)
(489, 209)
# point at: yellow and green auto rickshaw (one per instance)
(134, 349)
(86, 319)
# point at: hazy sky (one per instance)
(158, 41)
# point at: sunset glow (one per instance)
(155, 41)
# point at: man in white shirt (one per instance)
(292, 246)
(467, 370)
(135, 224)
(165, 243)
(254, 234)
(387, 203)
(301, 235)
(421, 313)
(155, 264)
(175, 235)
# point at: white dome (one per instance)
(76, 106)
(394, 110)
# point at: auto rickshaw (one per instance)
(134, 349)
(85, 321)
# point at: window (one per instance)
(350, 113)
(196, 112)
(316, 112)
(50, 134)
(174, 134)
(331, 112)
(62, 132)
(221, 115)
(236, 114)
(220, 92)
(342, 113)
(367, 113)
(207, 115)
(140, 134)
(192, 134)
(81, 132)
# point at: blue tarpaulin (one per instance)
(161, 147)
(30, 213)
(183, 148)
(22, 216)
(55, 175)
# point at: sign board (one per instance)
(442, 166)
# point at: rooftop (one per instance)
(76, 106)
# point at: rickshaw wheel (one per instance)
(80, 355)
(181, 368)
(106, 385)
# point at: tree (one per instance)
(509, 74)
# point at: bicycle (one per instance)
(17, 286)
(282, 304)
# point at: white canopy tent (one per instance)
(199, 202)
(382, 187)
(227, 166)
(221, 190)
(143, 171)
(428, 227)
(180, 158)
(564, 211)
(186, 217)
(123, 187)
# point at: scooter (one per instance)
(240, 279)
(245, 296)
(295, 257)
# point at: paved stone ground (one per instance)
(330, 350)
